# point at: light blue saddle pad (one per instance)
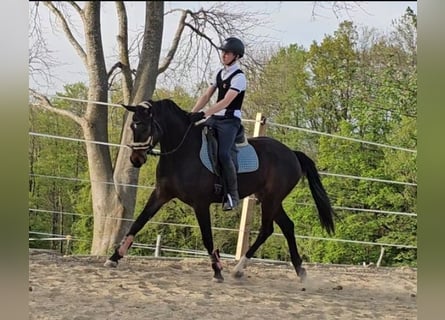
(247, 157)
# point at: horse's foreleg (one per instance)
(203, 217)
(217, 266)
(155, 202)
(125, 245)
(120, 251)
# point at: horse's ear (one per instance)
(129, 108)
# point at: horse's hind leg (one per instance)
(266, 230)
(287, 226)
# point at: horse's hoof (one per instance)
(110, 264)
(238, 274)
(302, 274)
(218, 279)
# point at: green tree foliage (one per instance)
(382, 110)
(281, 93)
(365, 91)
(52, 195)
(332, 65)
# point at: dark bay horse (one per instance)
(180, 174)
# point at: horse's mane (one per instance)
(169, 108)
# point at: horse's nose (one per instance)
(137, 159)
(135, 164)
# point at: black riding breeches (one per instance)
(226, 130)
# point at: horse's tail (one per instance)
(325, 211)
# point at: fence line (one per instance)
(271, 123)
(369, 179)
(190, 252)
(413, 214)
(119, 145)
(342, 137)
(89, 181)
(381, 244)
(76, 139)
(152, 187)
(253, 232)
(87, 101)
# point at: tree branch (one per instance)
(68, 32)
(337, 7)
(122, 40)
(40, 61)
(47, 105)
(201, 33)
(78, 9)
(175, 42)
(114, 67)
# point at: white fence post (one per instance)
(158, 246)
(382, 251)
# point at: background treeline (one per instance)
(356, 84)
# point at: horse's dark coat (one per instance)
(180, 174)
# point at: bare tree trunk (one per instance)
(144, 86)
(112, 198)
(107, 208)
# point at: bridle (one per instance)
(148, 145)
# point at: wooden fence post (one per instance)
(248, 202)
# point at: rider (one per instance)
(225, 114)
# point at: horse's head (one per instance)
(146, 132)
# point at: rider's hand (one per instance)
(196, 116)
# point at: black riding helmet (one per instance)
(234, 45)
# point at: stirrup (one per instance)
(229, 204)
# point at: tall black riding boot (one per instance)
(232, 197)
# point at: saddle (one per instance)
(246, 158)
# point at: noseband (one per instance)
(147, 144)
